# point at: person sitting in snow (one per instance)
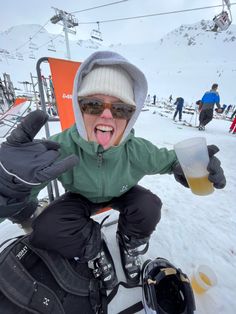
(99, 162)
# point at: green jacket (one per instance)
(101, 175)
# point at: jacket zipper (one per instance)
(99, 159)
(99, 164)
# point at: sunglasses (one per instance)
(96, 107)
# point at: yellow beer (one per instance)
(200, 185)
(197, 287)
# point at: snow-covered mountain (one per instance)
(185, 62)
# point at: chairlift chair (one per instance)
(71, 21)
(51, 47)
(32, 45)
(11, 56)
(96, 33)
(31, 55)
(19, 56)
(223, 20)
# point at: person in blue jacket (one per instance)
(179, 107)
(209, 100)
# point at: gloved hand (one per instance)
(216, 173)
(26, 163)
(179, 175)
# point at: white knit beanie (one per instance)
(109, 80)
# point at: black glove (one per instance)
(179, 175)
(26, 163)
(216, 173)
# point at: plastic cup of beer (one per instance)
(203, 279)
(193, 157)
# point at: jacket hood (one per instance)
(110, 58)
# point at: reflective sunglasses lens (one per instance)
(122, 111)
(94, 107)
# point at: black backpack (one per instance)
(37, 281)
(42, 282)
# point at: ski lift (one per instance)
(19, 56)
(31, 55)
(96, 33)
(51, 47)
(32, 45)
(11, 56)
(223, 20)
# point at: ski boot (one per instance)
(103, 267)
(201, 127)
(130, 256)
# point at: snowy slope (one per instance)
(184, 63)
(174, 66)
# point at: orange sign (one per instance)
(63, 73)
(19, 101)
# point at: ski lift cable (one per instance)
(155, 14)
(24, 53)
(121, 19)
(100, 6)
(31, 37)
(49, 41)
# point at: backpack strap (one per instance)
(63, 273)
(131, 309)
(32, 291)
(67, 278)
(135, 308)
(10, 239)
(27, 293)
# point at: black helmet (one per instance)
(166, 289)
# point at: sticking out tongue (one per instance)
(103, 138)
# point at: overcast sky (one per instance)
(132, 31)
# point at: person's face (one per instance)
(104, 129)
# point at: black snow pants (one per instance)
(67, 228)
(206, 116)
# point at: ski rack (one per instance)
(11, 117)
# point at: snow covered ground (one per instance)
(194, 230)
